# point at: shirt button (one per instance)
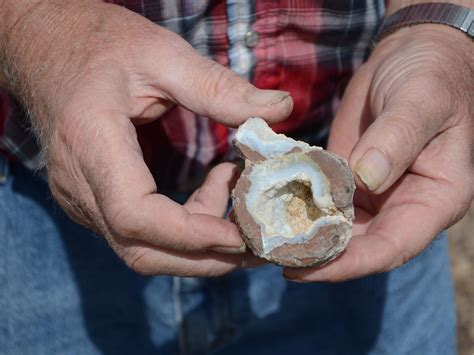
(251, 39)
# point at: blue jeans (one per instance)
(63, 291)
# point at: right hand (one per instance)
(88, 72)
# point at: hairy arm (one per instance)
(38, 60)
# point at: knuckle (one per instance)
(405, 128)
(358, 267)
(397, 255)
(137, 260)
(218, 84)
(216, 270)
(121, 222)
(401, 132)
(191, 240)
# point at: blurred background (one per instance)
(461, 243)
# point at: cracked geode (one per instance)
(293, 202)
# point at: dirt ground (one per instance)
(461, 239)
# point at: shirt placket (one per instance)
(241, 38)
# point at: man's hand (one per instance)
(88, 71)
(406, 125)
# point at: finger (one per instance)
(393, 237)
(396, 137)
(414, 211)
(356, 261)
(207, 88)
(150, 260)
(352, 116)
(126, 195)
(213, 196)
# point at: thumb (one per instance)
(391, 143)
(211, 90)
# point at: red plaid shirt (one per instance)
(309, 48)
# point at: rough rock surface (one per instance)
(316, 226)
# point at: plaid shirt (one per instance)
(309, 48)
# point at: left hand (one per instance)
(406, 125)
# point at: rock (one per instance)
(293, 202)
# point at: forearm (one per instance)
(11, 11)
(43, 43)
(394, 5)
(35, 35)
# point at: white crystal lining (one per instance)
(268, 209)
(265, 201)
(257, 135)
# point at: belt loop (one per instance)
(4, 168)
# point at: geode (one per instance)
(292, 202)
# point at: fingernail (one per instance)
(230, 250)
(373, 169)
(267, 97)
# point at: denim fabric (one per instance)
(63, 291)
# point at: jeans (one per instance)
(63, 291)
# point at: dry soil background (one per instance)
(461, 242)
